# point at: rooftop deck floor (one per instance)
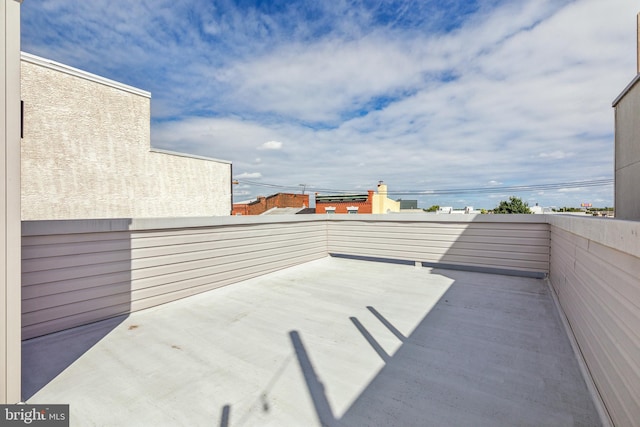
(336, 342)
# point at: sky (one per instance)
(451, 103)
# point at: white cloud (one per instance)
(555, 155)
(271, 145)
(249, 175)
(500, 100)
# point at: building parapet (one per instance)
(57, 66)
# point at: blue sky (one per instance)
(425, 95)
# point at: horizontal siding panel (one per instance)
(427, 232)
(59, 324)
(74, 261)
(624, 286)
(237, 233)
(430, 246)
(96, 245)
(52, 288)
(78, 279)
(599, 290)
(233, 258)
(70, 315)
(185, 248)
(67, 310)
(142, 304)
(69, 304)
(527, 265)
(86, 271)
(223, 278)
(254, 249)
(222, 271)
(76, 296)
(615, 314)
(78, 258)
(597, 358)
(442, 252)
(497, 245)
(61, 239)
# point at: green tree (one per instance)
(515, 205)
(433, 208)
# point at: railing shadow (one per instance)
(45, 357)
(73, 306)
(486, 354)
(314, 385)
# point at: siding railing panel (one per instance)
(595, 271)
(514, 246)
(78, 272)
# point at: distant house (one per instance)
(450, 210)
(372, 202)
(345, 204)
(263, 204)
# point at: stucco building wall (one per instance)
(86, 153)
(382, 204)
(627, 152)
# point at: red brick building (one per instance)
(263, 204)
(345, 203)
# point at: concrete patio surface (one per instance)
(334, 342)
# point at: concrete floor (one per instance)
(333, 342)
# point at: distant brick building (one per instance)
(345, 203)
(372, 202)
(263, 204)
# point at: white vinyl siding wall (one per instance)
(595, 272)
(484, 243)
(81, 271)
(74, 278)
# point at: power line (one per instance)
(450, 191)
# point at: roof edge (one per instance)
(57, 66)
(626, 90)
(190, 156)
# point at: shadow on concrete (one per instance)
(262, 401)
(314, 385)
(491, 352)
(45, 357)
(226, 415)
(100, 279)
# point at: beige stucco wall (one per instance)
(86, 153)
(627, 153)
(381, 204)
